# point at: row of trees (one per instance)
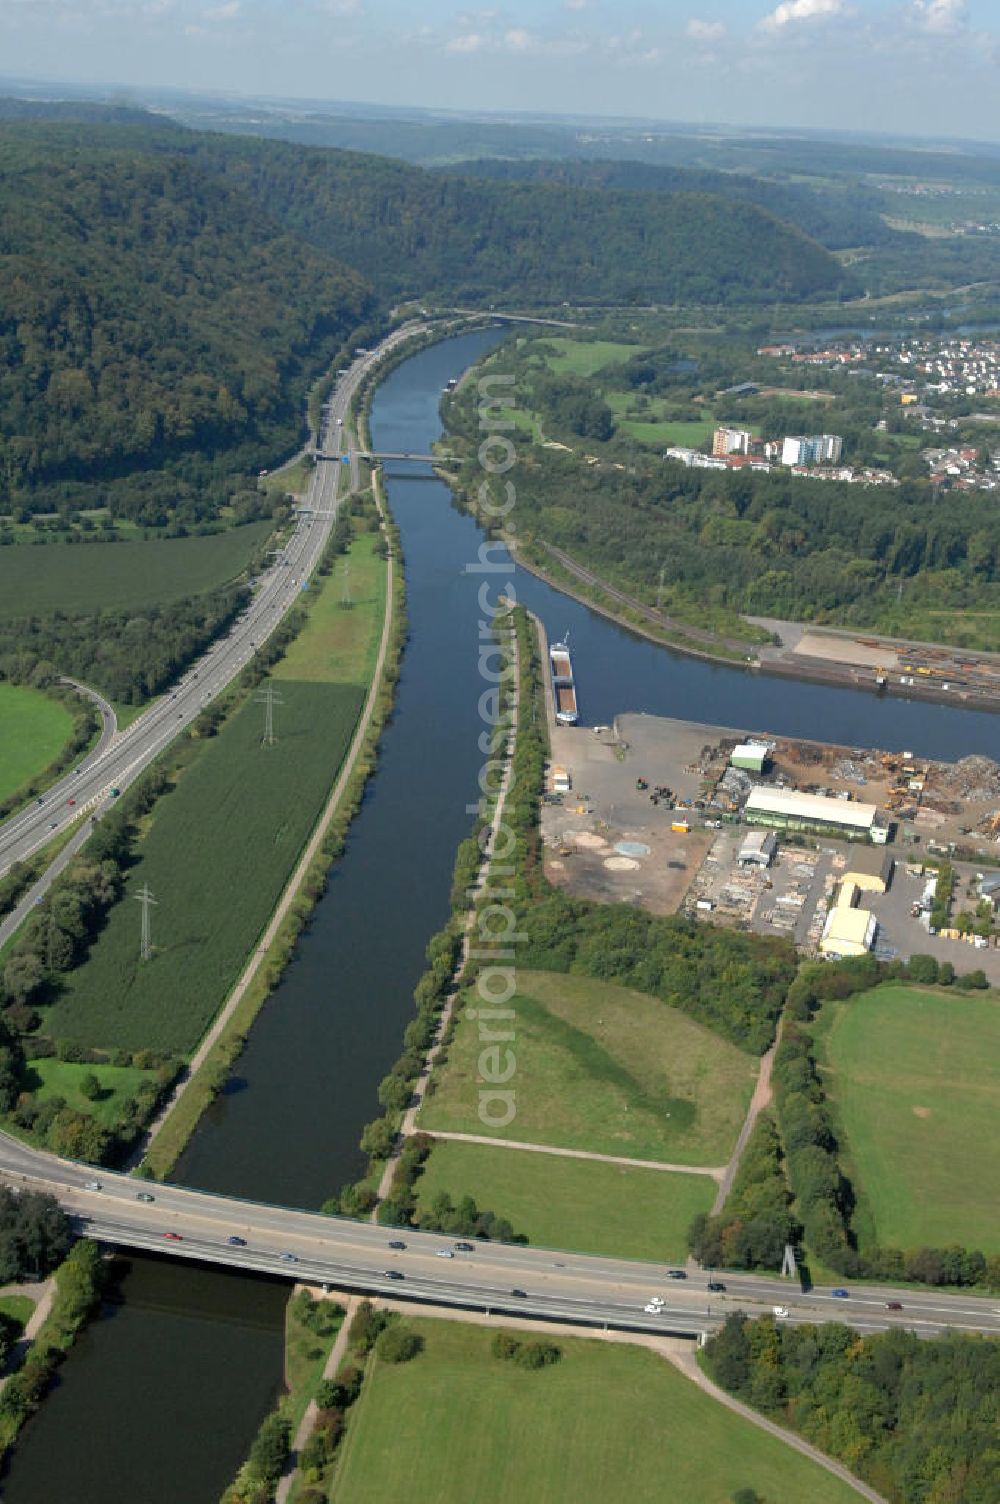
(917, 1420)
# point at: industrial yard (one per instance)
(838, 848)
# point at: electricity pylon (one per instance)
(146, 942)
(269, 698)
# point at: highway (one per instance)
(522, 1281)
(119, 760)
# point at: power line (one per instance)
(146, 942)
(269, 698)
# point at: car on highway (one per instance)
(290, 1258)
(70, 801)
(174, 1237)
(894, 1305)
(397, 1243)
(466, 1247)
(91, 1185)
(781, 1312)
(840, 1293)
(144, 1196)
(657, 1300)
(444, 1253)
(392, 1273)
(715, 1285)
(653, 1309)
(235, 1242)
(676, 1274)
(521, 1294)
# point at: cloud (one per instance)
(942, 17)
(705, 31)
(519, 40)
(470, 41)
(790, 12)
(228, 11)
(575, 4)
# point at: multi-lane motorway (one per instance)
(538, 1282)
(118, 761)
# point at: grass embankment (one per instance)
(112, 576)
(223, 843)
(603, 1422)
(579, 1204)
(17, 1309)
(33, 731)
(912, 1074)
(358, 646)
(607, 1069)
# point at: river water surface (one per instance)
(180, 1374)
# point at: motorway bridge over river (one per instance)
(608, 1293)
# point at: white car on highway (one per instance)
(781, 1312)
(653, 1308)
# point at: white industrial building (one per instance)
(787, 809)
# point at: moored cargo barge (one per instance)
(564, 689)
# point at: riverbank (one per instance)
(778, 660)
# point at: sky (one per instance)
(916, 67)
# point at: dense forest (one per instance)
(916, 1419)
(420, 233)
(147, 309)
(838, 216)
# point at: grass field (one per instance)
(61, 1078)
(913, 1074)
(17, 1308)
(332, 650)
(223, 843)
(584, 357)
(606, 1422)
(33, 731)
(572, 1203)
(604, 1068)
(112, 576)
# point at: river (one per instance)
(144, 1384)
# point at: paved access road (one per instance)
(356, 1256)
(120, 759)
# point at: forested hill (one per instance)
(147, 309)
(420, 233)
(839, 216)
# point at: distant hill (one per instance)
(148, 310)
(416, 232)
(838, 216)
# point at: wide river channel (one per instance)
(161, 1397)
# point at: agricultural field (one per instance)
(33, 731)
(223, 843)
(578, 1204)
(606, 1420)
(912, 1073)
(333, 650)
(114, 576)
(604, 1068)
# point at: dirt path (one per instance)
(687, 1363)
(308, 856)
(333, 1362)
(409, 1124)
(679, 1351)
(762, 1095)
(716, 1172)
(43, 1295)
